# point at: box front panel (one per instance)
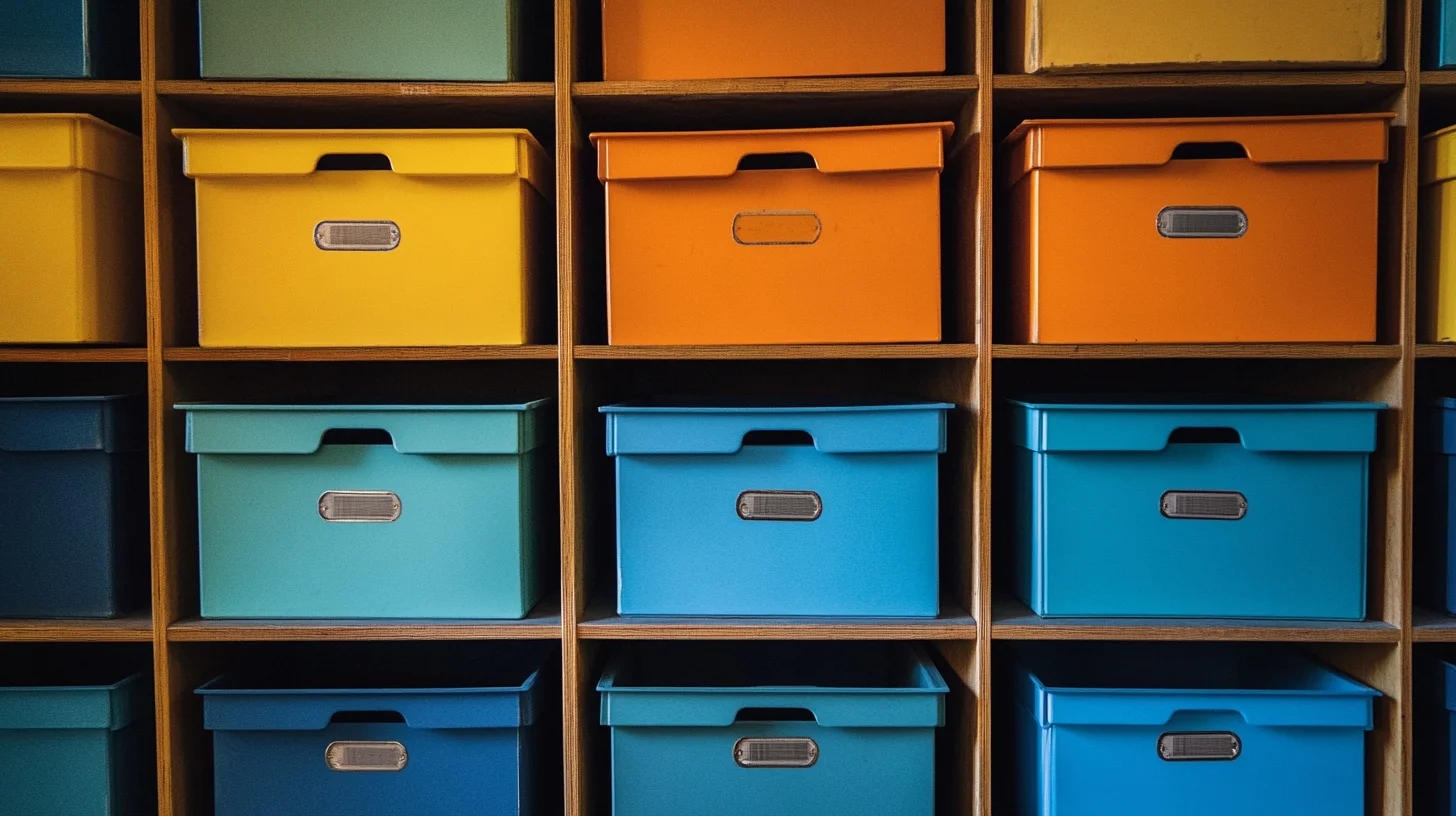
(45, 771)
(453, 551)
(685, 549)
(1438, 259)
(40, 258)
(43, 38)
(113, 275)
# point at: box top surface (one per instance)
(92, 699)
(683, 428)
(69, 141)
(45, 424)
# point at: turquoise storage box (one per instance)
(821, 511)
(76, 745)
(70, 39)
(427, 40)
(1101, 729)
(1148, 508)
(779, 729)
(389, 511)
(1440, 30)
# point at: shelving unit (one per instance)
(970, 369)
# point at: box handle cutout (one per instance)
(360, 506)
(1200, 746)
(774, 715)
(1205, 505)
(1205, 436)
(780, 438)
(367, 717)
(777, 228)
(361, 756)
(1196, 151)
(778, 161)
(356, 436)
(776, 752)
(1202, 222)
(332, 162)
(356, 236)
(780, 505)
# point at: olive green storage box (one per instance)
(423, 40)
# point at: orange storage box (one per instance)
(784, 236)
(1195, 230)
(713, 39)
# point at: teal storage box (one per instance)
(76, 745)
(424, 40)
(779, 729)
(389, 511)
(1151, 508)
(70, 39)
(1440, 29)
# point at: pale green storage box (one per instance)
(390, 511)
(422, 40)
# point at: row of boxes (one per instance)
(724, 729)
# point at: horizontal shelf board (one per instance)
(130, 629)
(603, 623)
(1012, 620)
(796, 352)
(1431, 626)
(1120, 351)
(71, 354)
(810, 86)
(1435, 350)
(1199, 79)
(81, 88)
(203, 89)
(1193, 93)
(309, 355)
(543, 623)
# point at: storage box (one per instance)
(1438, 236)
(1193, 729)
(1440, 34)
(1435, 518)
(1102, 36)
(482, 40)
(371, 511)
(1160, 509)
(74, 499)
(71, 264)
(1434, 684)
(1195, 230)
(704, 39)
(76, 744)
(76, 39)
(458, 744)
(806, 729)
(777, 510)
(788, 236)
(309, 238)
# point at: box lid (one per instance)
(1436, 431)
(414, 429)
(52, 702)
(111, 424)
(69, 141)
(1438, 156)
(1058, 144)
(209, 153)
(1123, 424)
(711, 685)
(651, 428)
(716, 154)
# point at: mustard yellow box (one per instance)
(370, 237)
(1438, 236)
(1099, 36)
(71, 259)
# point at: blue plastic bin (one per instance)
(316, 742)
(826, 511)
(371, 511)
(1435, 511)
(1192, 729)
(1435, 736)
(76, 746)
(77, 39)
(773, 728)
(73, 506)
(1440, 29)
(1159, 509)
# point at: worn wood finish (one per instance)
(135, 628)
(22, 354)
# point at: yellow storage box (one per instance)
(1095, 36)
(71, 260)
(370, 238)
(1438, 236)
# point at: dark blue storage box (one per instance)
(1435, 716)
(1193, 729)
(73, 496)
(1435, 517)
(75, 39)
(305, 741)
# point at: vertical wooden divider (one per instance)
(981, 485)
(1409, 327)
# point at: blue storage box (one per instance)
(308, 741)
(1440, 33)
(829, 511)
(1435, 517)
(76, 745)
(1159, 509)
(726, 729)
(74, 504)
(1192, 729)
(371, 511)
(1435, 736)
(76, 39)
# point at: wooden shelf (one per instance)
(603, 623)
(63, 354)
(1152, 351)
(1012, 620)
(310, 355)
(131, 629)
(1435, 350)
(544, 623)
(1430, 626)
(72, 88)
(906, 351)
(364, 104)
(210, 89)
(1293, 91)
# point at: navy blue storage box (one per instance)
(1435, 517)
(73, 496)
(304, 741)
(1191, 729)
(76, 39)
(1435, 716)
(1127, 508)
(825, 511)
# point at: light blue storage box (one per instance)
(388, 511)
(83, 749)
(1159, 509)
(828, 511)
(778, 729)
(1193, 729)
(1435, 511)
